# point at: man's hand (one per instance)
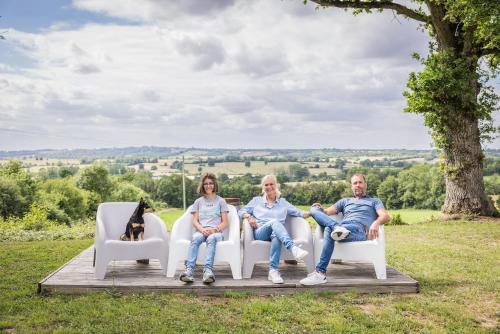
(373, 232)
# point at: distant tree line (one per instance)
(70, 194)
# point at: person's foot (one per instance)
(340, 233)
(314, 278)
(187, 276)
(208, 276)
(299, 253)
(275, 277)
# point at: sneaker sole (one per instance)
(185, 279)
(209, 280)
(300, 258)
(335, 235)
(315, 283)
(280, 282)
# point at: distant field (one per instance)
(256, 167)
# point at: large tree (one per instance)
(451, 91)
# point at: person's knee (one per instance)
(315, 211)
(212, 238)
(198, 238)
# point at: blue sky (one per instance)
(221, 73)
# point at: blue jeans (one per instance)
(326, 222)
(196, 241)
(276, 233)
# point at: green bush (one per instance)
(63, 197)
(12, 202)
(96, 179)
(397, 220)
(127, 192)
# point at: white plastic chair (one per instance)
(227, 250)
(112, 218)
(257, 250)
(365, 251)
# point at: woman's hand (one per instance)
(251, 220)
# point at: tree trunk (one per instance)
(464, 170)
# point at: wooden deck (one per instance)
(77, 276)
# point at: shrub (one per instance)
(397, 220)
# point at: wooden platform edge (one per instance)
(222, 291)
(39, 288)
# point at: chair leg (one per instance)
(248, 269)
(171, 268)
(100, 267)
(235, 269)
(380, 269)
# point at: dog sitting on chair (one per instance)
(135, 225)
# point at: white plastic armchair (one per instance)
(226, 251)
(112, 218)
(257, 250)
(372, 251)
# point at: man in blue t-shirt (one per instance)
(362, 216)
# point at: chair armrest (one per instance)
(247, 231)
(100, 231)
(234, 224)
(301, 228)
(182, 228)
(154, 227)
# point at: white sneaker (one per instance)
(274, 275)
(299, 253)
(314, 278)
(340, 233)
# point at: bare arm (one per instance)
(329, 211)
(197, 225)
(383, 217)
(225, 222)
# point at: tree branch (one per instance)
(382, 4)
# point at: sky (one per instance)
(207, 74)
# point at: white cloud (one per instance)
(212, 74)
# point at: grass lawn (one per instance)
(455, 262)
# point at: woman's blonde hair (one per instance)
(273, 178)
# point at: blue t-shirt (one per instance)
(363, 210)
(209, 210)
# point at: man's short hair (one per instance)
(359, 175)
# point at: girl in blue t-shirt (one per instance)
(209, 220)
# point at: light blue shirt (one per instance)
(363, 210)
(264, 213)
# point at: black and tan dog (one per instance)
(135, 225)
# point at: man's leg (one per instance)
(326, 251)
(357, 232)
(322, 218)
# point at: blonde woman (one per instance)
(266, 214)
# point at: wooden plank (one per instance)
(77, 276)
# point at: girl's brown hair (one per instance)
(209, 176)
